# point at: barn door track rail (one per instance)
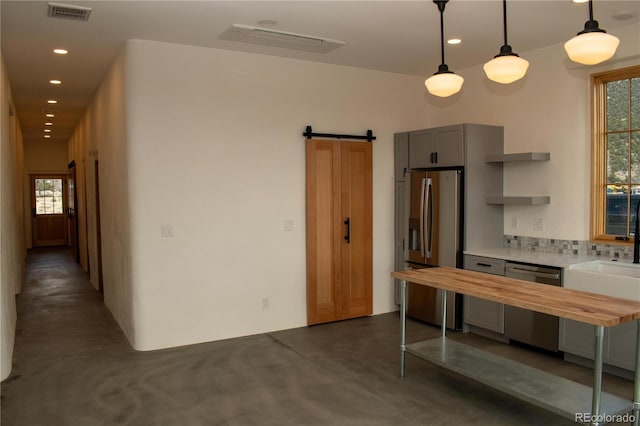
(309, 134)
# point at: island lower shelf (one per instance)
(557, 394)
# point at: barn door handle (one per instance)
(348, 236)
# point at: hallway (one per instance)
(74, 367)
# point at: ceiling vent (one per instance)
(283, 39)
(68, 11)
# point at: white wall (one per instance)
(216, 150)
(548, 111)
(41, 157)
(12, 250)
(101, 135)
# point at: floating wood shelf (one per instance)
(521, 200)
(521, 156)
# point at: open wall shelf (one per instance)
(520, 200)
(520, 156)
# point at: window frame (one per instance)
(599, 151)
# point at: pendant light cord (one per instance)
(441, 6)
(504, 20)
(591, 10)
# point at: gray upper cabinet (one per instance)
(401, 155)
(438, 147)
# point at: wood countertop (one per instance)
(591, 308)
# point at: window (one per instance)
(615, 153)
(48, 196)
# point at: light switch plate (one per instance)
(538, 224)
(166, 231)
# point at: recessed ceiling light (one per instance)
(454, 41)
(60, 51)
(52, 101)
(48, 123)
(269, 23)
(580, 1)
(47, 130)
(55, 81)
(623, 15)
(50, 115)
(47, 136)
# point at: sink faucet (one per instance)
(636, 236)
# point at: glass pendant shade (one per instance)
(590, 48)
(506, 69)
(444, 84)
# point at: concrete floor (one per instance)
(73, 366)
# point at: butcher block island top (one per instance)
(557, 394)
(591, 308)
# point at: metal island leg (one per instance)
(597, 375)
(403, 324)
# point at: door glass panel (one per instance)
(48, 196)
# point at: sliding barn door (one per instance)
(339, 230)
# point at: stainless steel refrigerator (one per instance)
(434, 236)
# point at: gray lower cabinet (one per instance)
(578, 338)
(479, 312)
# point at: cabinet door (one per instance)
(399, 231)
(400, 155)
(620, 346)
(422, 149)
(449, 146)
(479, 312)
(577, 338)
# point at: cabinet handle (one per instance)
(431, 158)
(483, 264)
(436, 156)
(348, 236)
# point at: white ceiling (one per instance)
(395, 36)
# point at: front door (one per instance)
(47, 208)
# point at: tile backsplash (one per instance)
(550, 245)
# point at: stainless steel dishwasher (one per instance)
(522, 325)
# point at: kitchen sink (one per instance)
(605, 277)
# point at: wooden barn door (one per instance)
(339, 230)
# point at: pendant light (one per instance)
(506, 67)
(444, 82)
(592, 45)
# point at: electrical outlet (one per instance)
(538, 224)
(166, 231)
(265, 303)
(288, 225)
(514, 222)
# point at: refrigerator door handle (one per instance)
(423, 193)
(429, 219)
